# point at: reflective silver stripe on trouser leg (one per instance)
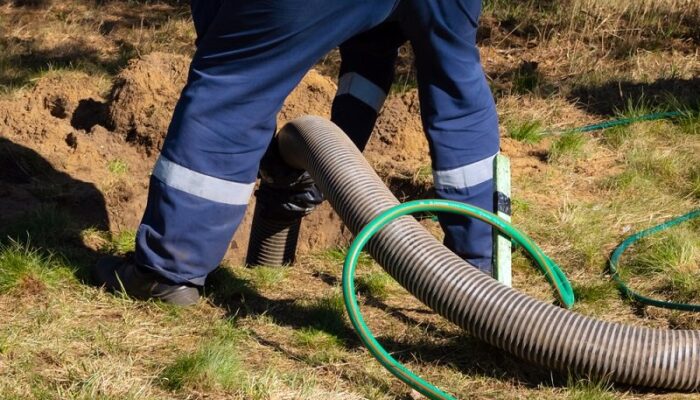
(197, 184)
(466, 176)
(362, 89)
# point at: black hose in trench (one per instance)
(503, 317)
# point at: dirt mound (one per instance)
(55, 127)
(313, 96)
(144, 96)
(109, 145)
(61, 94)
(398, 138)
(56, 96)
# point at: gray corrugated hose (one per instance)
(505, 318)
(273, 241)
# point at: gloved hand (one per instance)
(285, 192)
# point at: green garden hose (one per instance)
(615, 257)
(553, 273)
(532, 330)
(617, 122)
(622, 286)
(625, 121)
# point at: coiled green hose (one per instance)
(622, 286)
(615, 257)
(553, 273)
(494, 313)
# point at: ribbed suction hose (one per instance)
(273, 241)
(503, 317)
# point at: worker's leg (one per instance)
(249, 57)
(459, 115)
(203, 14)
(366, 75)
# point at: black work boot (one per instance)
(121, 275)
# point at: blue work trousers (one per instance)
(251, 54)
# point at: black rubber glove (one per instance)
(285, 192)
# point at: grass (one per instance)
(689, 122)
(585, 228)
(664, 166)
(620, 25)
(122, 242)
(23, 268)
(675, 250)
(593, 292)
(567, 146)
(267, 277)
(46, 226)
(526, 132)
(585, 389)
(661, 160)
(370, 280)
(225, 284)
(694, 182)
(376, 285)
(520, 205)
(615, 137)
(337, 256)
(328, 313)
(526, 79)
(668, 262)
(625, 180)
(593, 296)
(271, 333)
(423, 175)
(320, 347)
(216, 364)
(118, 167)
(84, 37)
(406, 83)
(635, 108)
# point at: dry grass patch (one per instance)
(273, 333)
(667, 264)
(98, 38)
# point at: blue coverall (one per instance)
(251, 54)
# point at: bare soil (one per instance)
(78, 130)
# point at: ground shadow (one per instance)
(610, 98)
(29, 60)
(27, 57)
(47, 209)
(45, 3)
(525, 78)
(26, 3)
(90, 113)
(473, 357)
(467, 354)
(240, 298)
(461, 352)
(407, 188)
